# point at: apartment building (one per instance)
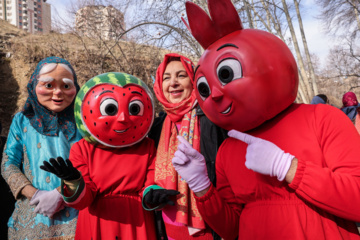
(33, 16)
(96, 21)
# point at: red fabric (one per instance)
(322, 202)
(175, 111)
(115, 180)
(349, 99)
(182, 233)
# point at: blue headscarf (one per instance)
(43, 120)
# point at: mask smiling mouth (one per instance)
(227, 110)
(120, 131)
(57, 100)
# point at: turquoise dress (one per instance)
(25, 151)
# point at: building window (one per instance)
(20, 23)
(20, 17)
(20, 11)
(35, 15)
(35, 9)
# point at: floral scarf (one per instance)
(165, 174)
(43, 120)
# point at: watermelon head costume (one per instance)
(114, 110)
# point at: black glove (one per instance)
(63, 170)
(159, 196)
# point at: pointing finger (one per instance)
(242, 136)
(182, 140)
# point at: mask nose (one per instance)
(216, 94)
(57, 91)
(121, 117)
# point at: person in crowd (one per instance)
(108, 169)
(175, 91)
(320, 98)
(287, 171)
(350, 105)
(44, 128)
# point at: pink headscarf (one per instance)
(349, 99)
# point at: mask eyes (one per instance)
(203, 88)
(228, 70)
(48, 85)
(136, 108)
(109, 107)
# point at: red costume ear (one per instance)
(224, 20)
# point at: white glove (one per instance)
(47, 202)
(263, 156)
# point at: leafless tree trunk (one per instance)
(307, 52)
(309, 91)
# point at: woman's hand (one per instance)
(191, 166)
(157, 197)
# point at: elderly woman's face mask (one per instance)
(56, 90)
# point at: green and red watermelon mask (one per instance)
(114, 110)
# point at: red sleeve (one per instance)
(79, 154)
(218, 206)
(335, 186)
(150, 173)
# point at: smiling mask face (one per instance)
(116, 110)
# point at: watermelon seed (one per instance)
(140, 124)
(123, 141)
(85, 117)
(88, 102)
(123, 94)
(135, 127)
(94, 123)
(113, 88)
(106, 123)
(90, 111)
(133, 137)
(110, 139)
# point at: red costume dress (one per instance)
(316, 205)
(110, 202)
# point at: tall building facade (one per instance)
(96, 21)
(33, 16)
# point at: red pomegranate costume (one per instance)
(247, 80)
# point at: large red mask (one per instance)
(245, 76)
(114, 110)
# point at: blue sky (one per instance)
(318, 42)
